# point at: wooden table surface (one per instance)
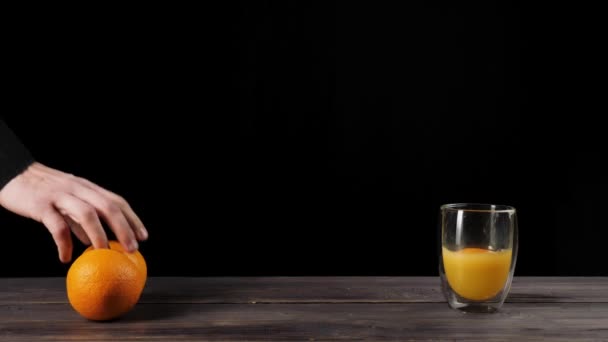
(310, 309)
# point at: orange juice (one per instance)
(475, 273)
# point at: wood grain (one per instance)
(350, 322)
(310, 308)
(235, 290)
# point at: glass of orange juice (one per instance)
(477, 255)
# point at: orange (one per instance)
(135, 257)
(104, 284)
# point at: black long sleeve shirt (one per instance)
(14, 156)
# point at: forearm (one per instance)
(14, 156)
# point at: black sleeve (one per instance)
(14, 156)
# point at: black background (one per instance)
(290, 138)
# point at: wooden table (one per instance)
(309, 309)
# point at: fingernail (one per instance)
(134, 246)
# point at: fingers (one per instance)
(85, 215)
(60, 231)
(140, 230)
(78, 231)
(74, 204)
(134, 221)
(111, 212)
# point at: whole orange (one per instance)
(104, 284)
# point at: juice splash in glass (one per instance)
(478, 255)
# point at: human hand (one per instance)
(64, 203)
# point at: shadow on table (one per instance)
(163, 301)
(157, 311)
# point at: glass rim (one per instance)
(479, 207)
